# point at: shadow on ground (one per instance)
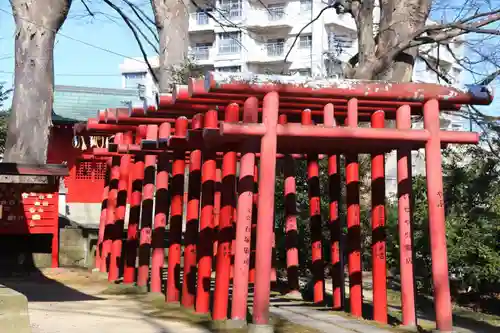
(37, 287)
(462, 317)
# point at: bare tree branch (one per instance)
(136, 36)
(222, 25)
(442, 32)
(230, 23)
(137, 10)
(138, 29)
(435, 69)
(302, 30)
(264, 5)
(490, 78)
(476, 118)
(461, 62)
(142, 17)
(87, 8)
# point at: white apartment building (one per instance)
(256, 36)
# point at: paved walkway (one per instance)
(109, 315)
(323, 321)
(81, 308)
(66, 301)
(71, 301)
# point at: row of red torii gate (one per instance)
(210, 125)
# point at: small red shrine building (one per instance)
(80, 192)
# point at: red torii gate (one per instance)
(287, 106)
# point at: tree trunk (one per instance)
(172, 20)
(37, 23)
(399, 20)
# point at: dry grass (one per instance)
(160, 309)
(462, 317)
(123, 289)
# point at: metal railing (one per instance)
(230, 48)
(201, 53)
(275, 49)
(230, 13)
(338, 42)
(275, 13)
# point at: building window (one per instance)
(305, 42)
(276, 11)
(229, 43)
(230, 8)
(338, 42)
(305, 5)
(133, 80)
(202, 51)
(201, 16)
(275, 47)
(229, 69)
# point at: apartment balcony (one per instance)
(228, 53)
(202, 55)
(268, 53)
(229, 15)
(200, 21)
(272, 18)
(345, 21)
(340, 47)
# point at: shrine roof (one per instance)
(22, 169)
(75, 103)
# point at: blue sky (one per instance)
(76, 63)
(79, 64)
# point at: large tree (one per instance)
(401, 28)
(171, 20)
(165, 32)
(37, 23)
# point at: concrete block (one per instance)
(72, 247)
(293, 295)
(13, 312)
(236, 324)
(408, 328)
(42, 260)
(253, 328)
